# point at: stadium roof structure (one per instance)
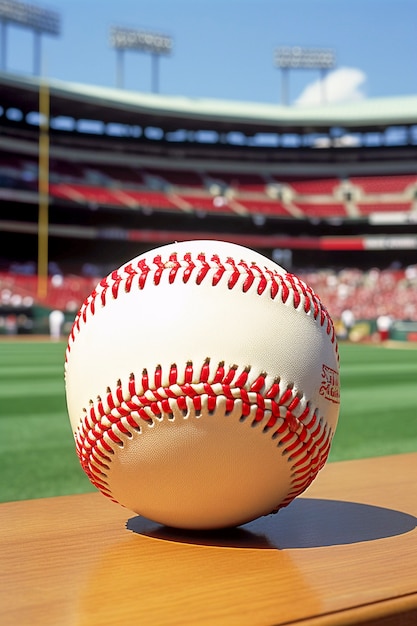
(171, 113)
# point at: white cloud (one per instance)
(342, 85)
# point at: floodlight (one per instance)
(295, 57)
(31, 16)
(126, 38)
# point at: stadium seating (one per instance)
(312, 187)
(213, 191)
(118, 175)
(367, 208)
(394, 183)
(84, 194)
(263, 206)
(179, 178)
(66, 170)
(200, 201)
(322, 209)
(94, 196)
(242, 183)
(148, 200)
(112, 194)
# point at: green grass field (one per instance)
(37, 455)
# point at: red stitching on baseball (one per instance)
(201, 267)
(109, 422)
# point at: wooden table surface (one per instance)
(343, 553)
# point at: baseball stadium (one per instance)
(91, 177)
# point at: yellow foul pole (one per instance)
(43, 189)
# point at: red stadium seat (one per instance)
(328, 209)
(265, 207)
(205, 202)
(321, 186)
(84, 194)
(394, 183)
(367, 208)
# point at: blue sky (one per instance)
(224, 49)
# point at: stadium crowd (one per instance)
(367, 294)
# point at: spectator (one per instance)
(56, 320)
(383, 324)
(348, 320)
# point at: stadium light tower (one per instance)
(35, 18)
(128, 39)
(294, 57)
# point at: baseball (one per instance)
(202, 385)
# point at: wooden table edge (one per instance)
(383, 613)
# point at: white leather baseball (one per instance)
(202, 385)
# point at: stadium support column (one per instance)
(36, 52)
(285, 90)
(155, 72)
(120, 68)
(43, 218)
(3, 45)
(323, 73)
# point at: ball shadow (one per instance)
(306, 523)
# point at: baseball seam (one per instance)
(249, 276)
(124, 412)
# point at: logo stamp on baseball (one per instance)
(202, 385)
(330, 386)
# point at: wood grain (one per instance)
(344, 553)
